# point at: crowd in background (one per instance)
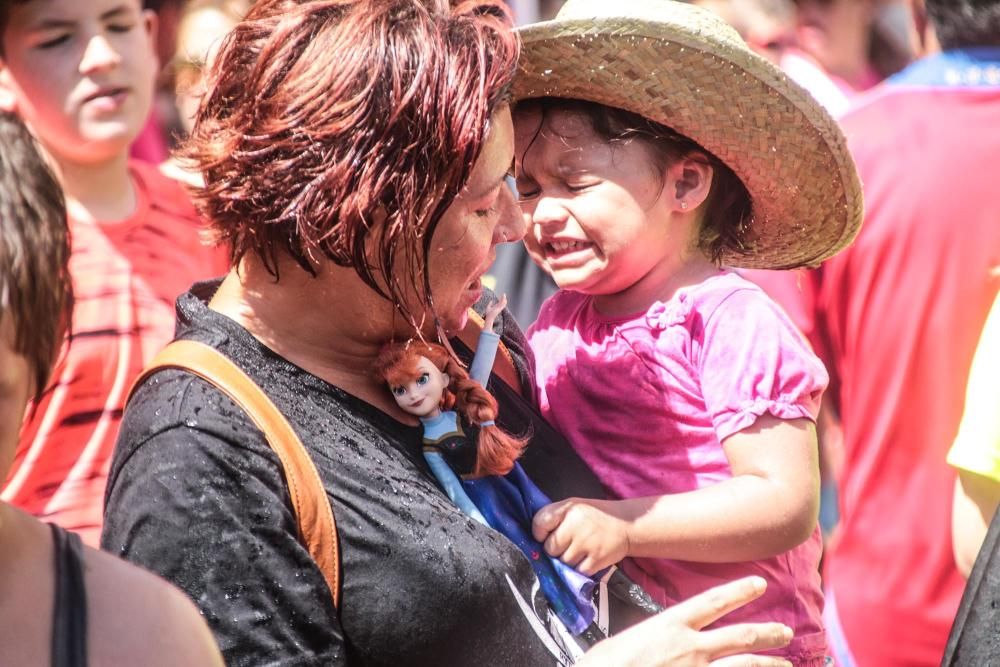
(896, 317)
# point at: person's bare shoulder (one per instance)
(137, 618)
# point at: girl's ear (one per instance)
(447, 380)
(689, 181)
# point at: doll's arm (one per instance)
(489, 342)
(768, 507)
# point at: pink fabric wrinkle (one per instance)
(675, 312)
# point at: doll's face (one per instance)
(422, 396)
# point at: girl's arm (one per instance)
(770, 505)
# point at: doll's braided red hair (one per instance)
(497, 450)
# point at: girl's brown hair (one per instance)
(497, 450)
(344, 129)
(35, 289)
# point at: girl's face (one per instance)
(422, 396)
(482, 216)
(598, 215)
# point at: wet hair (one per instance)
(345, 129)
(35, 290)
(497, 450)
(965, 23)
(726, 220)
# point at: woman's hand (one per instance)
(585, 534)
(492, 311)
(675, 638)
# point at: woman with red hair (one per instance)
(354, 155)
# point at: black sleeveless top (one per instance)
(69, 615)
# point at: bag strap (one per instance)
(503, 367)
(313, 514)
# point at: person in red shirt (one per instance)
(80, 74)
(897, 316)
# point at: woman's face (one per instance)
(596, 221)
(483, 215)
(15, 390)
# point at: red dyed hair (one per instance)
(497, 450)
(345, 128)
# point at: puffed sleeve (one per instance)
(754, 361)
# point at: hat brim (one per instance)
(787, 150)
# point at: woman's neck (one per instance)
(333, 325)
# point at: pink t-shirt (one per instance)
(647, 399)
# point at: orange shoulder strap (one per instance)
(317, 530)
(503, 367)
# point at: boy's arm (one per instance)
(768, 507)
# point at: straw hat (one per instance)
(684, 67)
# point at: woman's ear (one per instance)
(689, 180)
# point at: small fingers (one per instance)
(555, 547)
(547, 520)
(745, 638)
(589, 566)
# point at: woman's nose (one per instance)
(510, 223)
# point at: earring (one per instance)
(684, 205)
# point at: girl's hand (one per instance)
(675, 638)
(585, 534)
(492, 311)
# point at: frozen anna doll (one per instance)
(474, 460)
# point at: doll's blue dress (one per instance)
(505, 503)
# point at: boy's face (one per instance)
(80, 73)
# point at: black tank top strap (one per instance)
(69, 616)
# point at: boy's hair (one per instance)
(726, 221)
(345, 129)
(35, 290)
(965, 23)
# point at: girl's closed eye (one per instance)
(526, 189)
(580, 186)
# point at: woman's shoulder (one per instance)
(137, 618)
